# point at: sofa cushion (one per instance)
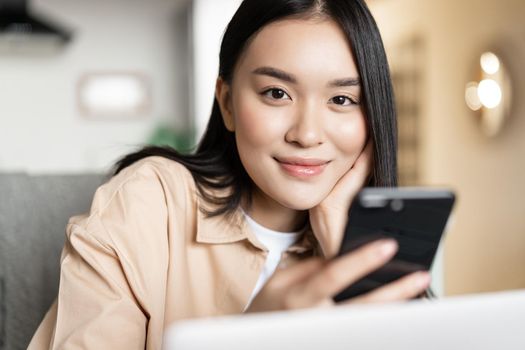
(34, 211)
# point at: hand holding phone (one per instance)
(414, 217)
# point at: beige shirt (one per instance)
(146, 256)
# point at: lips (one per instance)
(302, 167)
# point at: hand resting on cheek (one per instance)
(328, 218)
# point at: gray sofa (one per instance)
(34, 211)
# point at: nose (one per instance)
(306, 129)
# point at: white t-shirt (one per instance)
(276, 242)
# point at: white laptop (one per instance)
(483, 321)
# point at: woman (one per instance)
(303, 118)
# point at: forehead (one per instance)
(302, 47)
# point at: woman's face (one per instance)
(294, 105)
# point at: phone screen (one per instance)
(415, 217)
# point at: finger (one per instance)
(358, 175)
(404, 288)
(296, 273)
(363, 165)
(341, 272)
(366, 156)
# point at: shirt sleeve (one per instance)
(113, 269)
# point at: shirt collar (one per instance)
(223, 229)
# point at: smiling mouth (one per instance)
(301, 167)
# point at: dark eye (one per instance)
(276, 94)
(343, 101)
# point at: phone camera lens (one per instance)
(397, 205)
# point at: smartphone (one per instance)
(415, 217)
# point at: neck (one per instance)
(274, 216)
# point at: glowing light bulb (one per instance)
(489, 63)
(489, 93)
(471, 96)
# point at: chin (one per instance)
(301, 202)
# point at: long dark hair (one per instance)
(216, 165)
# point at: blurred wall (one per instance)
(209, 21)
(40, 126)
(485, 247)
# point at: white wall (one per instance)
(484, 250)
(41, 129)
(210, 18)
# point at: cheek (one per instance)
(349, 138)
(257, 125)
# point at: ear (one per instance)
(224, 98)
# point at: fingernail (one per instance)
(423, 279)
(388, 247)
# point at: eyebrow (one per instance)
(284, 76)
(345, 82)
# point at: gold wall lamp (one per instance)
(490, 95)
